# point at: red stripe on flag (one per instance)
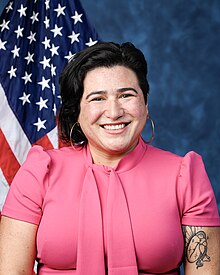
(8, 161)
(44, 142)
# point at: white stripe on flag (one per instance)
(53, 137)
(3, 189)
(12, 130)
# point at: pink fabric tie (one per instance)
(90, 250)
(121, 250)
(120, 245)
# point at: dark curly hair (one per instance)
(102, 54)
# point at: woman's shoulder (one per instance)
(159, 152)
(42, 160)
(38, 152)
(167, 157)
(162, 154)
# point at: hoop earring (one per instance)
(71, 131)
(153, 127)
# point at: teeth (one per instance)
(114, 127)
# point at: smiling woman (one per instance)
(101, 57)
(109, 202)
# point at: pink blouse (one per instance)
(100, 220)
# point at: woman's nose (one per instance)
(114, 109)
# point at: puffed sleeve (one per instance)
(197, 200)
(26, 194)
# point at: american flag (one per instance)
(37, 39)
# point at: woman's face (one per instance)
(112, 111)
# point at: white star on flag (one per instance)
(47, 22)
(53, 88)
(74, 37)
(25, 98)
(47, 4)
(2, 44)
(27, 78)
(15, 51)
(46, 43)
(12, 72)
(44, 83)
(77, 17)
(45, 62)
(54, 109)
(54, 50)
(91, 42)
(53, 70)
(40, 124)
(69, 56)
(22, 11)
(42, 103)
(9, 7)
(60, 10)
(19, 31)
(29, 58)
(31, 37)
(57, 31)
(34, 17)
(4, 25)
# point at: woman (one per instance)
(110, 203)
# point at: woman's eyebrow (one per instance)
(96, 93)
(120, 90)
(127, 89)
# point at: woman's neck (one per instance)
(105, 159)
(109, 158)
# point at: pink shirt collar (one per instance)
(128, 162)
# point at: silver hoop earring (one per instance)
(152, 126)
(71, 131)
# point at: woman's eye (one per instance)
(125, 95)
(97, 99)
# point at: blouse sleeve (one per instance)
(25, 197)
(198, 204)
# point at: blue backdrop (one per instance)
(181, 41)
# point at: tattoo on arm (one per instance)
(196, 245)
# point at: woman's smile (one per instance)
(114, 126)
